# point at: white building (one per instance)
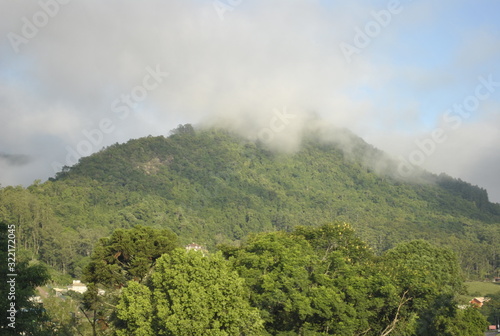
(78, 286)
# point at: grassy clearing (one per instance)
(478, 288)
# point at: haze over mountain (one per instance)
(337, 161)
(67, 67)
(325, 239)
(213, 186)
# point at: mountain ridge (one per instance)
(213, 186)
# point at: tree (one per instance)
(125, 255)
(25, 316)
(315, 280)
(189, 294)
(96, 308)
(335, 237)
(428, 279)
(183, 129)
(135, 311)
(277, 268)
(128, 255)
(66, 315)
(491, 309)
(445, 319)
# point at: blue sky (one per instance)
(236, 68)
(432, 48)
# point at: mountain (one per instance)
(211, 186)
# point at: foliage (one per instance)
(190, 294)
(425, 270)
(66, 316)
(429, 278)
(135, 310)
(277, 269)
(299, 277)
(491, 309)
(29, 318)
(212, 186)
(467, 322)
(128, 255)
(326, 281)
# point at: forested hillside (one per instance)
(212, 187)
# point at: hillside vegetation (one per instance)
(214, 187)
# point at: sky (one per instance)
(419, 80)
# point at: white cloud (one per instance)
(263, 56)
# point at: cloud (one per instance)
(261, 58)
(238, 69)
(473, 153)
(15, 159)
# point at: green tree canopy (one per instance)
(190, 294)
(314, 281)
(128, 255)
(428, 279)
(29, 317)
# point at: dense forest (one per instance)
(320, 280)
(212, 187)
(264, 218)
